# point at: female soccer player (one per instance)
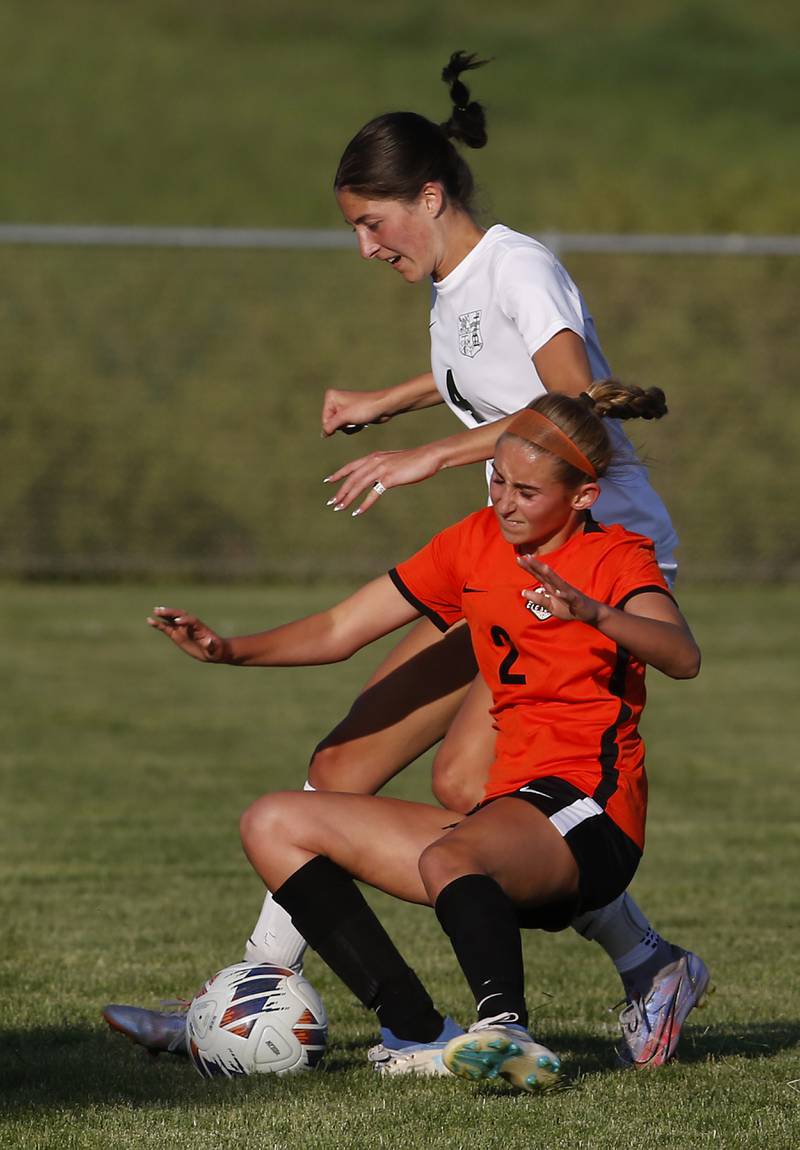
(507, 324)
(564, 614)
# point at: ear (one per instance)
(586, 495)
(432, 198)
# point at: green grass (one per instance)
(124, 768)
(671, 116)
(160, 409)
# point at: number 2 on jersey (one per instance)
(501, 638)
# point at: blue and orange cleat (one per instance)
(651, 1023)
(158, 1031)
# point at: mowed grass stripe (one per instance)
(124, 768)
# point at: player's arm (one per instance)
(652, 628)
(562, 365)
(327, 637)
(649, 625)
(354, 409)
(401, 468)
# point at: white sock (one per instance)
(274, 938)
(623, 931)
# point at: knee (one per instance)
(325, 767)
(454, 787)
(441, 863)
(265, 820)
(429, 867)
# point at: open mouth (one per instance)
(393, 260)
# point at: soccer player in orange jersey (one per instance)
(507, 324)
(564, 614)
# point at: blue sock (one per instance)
(450, 1029)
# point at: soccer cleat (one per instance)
(501, 1047)
(651, 1023)
(397, 1056)
(424, 1058)
(158, 1031)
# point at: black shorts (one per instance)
(607, 859)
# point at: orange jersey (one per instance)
(567, 700)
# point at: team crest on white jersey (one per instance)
(536, 608)
(470, 340)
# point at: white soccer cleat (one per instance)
(651, 1023)
(498, 1047)
(424, 1058)
(398, 1056)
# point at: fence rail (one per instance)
(79, 235)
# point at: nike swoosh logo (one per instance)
(474, 591)
(533, 791)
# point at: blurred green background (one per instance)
(159, 409)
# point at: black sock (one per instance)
(331, 913)
(481, 922)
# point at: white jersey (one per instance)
(495, 310)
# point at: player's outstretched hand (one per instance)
(350, 410)
(189, 633)
(377, 472)
(559, 597)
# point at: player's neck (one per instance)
(460, 234)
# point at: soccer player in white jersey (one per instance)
(507, 324)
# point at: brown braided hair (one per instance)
(396, 154)
(581, 420)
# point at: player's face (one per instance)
(401, 234)
(535, 511)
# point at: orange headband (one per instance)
(540, 430)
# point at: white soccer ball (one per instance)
(253, 1018)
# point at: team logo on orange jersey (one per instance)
(470, 340)
(536, 608)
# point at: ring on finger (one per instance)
(378, 488)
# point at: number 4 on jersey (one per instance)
(457, 399)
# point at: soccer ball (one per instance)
(253, 1018)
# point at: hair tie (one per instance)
(542, 432)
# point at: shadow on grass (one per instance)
(592, 1056)
(46, 1068)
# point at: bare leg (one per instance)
(410, 850)
(406, 707)
(510, 842)
(621, 928)
(508, 854)
(462, 762)
(421, 692)
(378, 840)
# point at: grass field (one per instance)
(162, 409)
(670, 116)
(124, 768)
